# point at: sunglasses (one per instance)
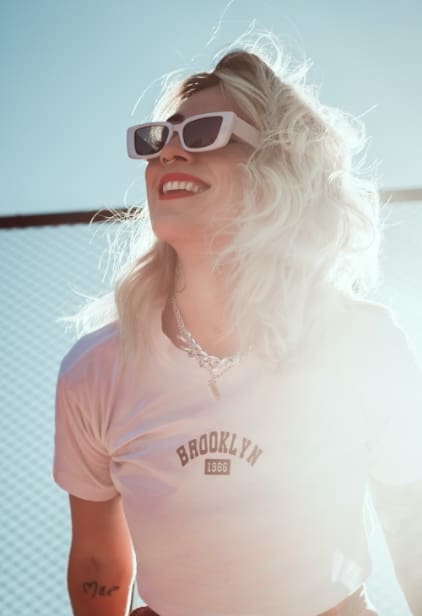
(198, 133)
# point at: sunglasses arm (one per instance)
(247, 132)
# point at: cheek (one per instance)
(150, 177)
(232, 181)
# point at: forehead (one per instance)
(204, 101)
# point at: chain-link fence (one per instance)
(41, 269)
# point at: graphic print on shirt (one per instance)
(219, 443)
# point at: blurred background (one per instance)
(72, 74)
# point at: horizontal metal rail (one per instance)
(58, 218)
(397, 195)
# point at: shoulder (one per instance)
(364, 330)
(346, 319)
(375, 337)
(366, 318)
(95, 352)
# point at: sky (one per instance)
(72, 72)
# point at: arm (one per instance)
(399, 509)
(101, 569)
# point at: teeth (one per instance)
(189, 186)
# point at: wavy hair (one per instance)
(308, 222)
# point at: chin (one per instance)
(173, 231)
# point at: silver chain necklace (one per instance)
(215, 366)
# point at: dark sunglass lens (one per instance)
(202, 132)
(150, 139)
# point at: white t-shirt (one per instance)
(252, 504)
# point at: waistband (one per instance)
(356, 604)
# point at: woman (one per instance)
(229, 417)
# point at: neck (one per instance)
(200, 296)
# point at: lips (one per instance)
(180, 177)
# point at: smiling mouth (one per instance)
(181, 188)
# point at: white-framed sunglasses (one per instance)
(198, 133)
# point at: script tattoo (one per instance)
(94, 589)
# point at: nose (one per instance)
(173, 150)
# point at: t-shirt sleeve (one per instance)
(81, 462)
(393, 404)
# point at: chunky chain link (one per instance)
(215, 366)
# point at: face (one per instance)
(187, 219)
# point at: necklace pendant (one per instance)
(214, 389)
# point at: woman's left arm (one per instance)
(399, 509)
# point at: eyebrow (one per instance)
(176, 117)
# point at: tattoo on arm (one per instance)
(94, 589)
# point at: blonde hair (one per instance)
(308, 221)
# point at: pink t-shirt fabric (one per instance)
(254, 504)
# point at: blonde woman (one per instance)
(238, 397)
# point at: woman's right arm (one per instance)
(101, 567)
